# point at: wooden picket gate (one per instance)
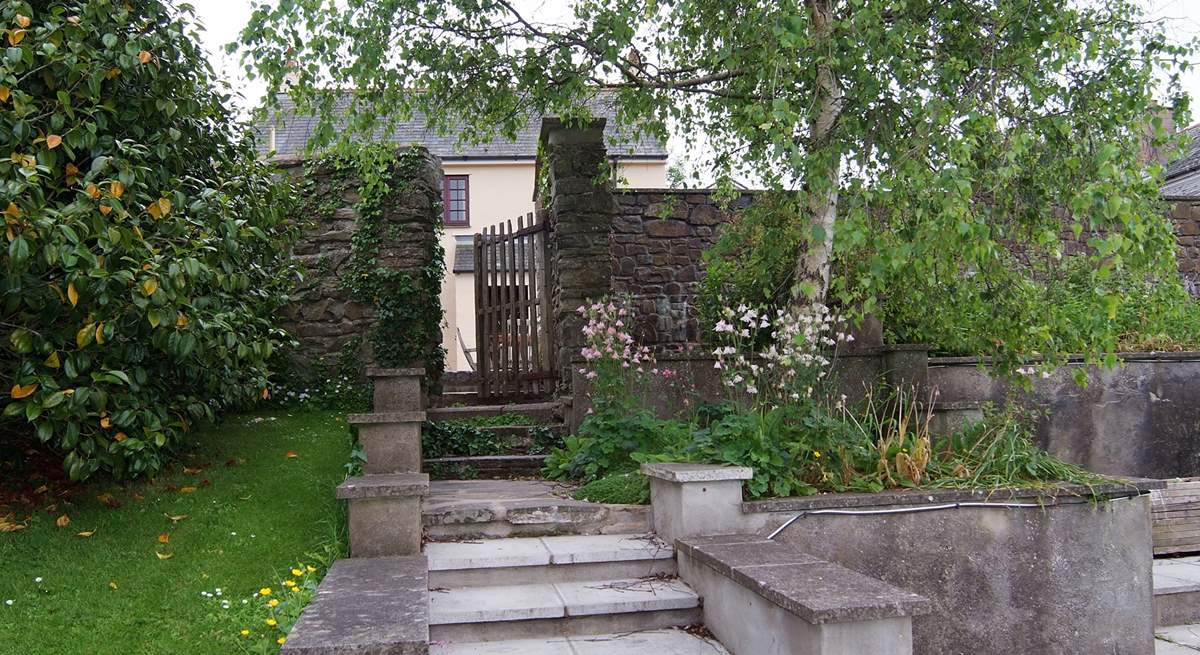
(513, 337)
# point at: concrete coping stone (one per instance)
(366, 605)
(1048, 495)
(376, 372)
(815, 590)
(690, 472)
(385, 417)
(385, 485)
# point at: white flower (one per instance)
(38, 579)
(751, 390)
(745, 333)
(8, 602)
(716, 364)
(1045, 374)
(722, 326)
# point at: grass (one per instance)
(262, 501)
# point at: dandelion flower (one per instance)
(817, 454)
(281, 640)
(245, 632)
(311, 569)
(272, 622)
(274, 602)
(265, 591)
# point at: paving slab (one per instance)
(488, 553)
(621, 596)
(1181, 635)
(1177, 574)
(607, 548)
(1167, 648)
(500, 603)
(652, 642)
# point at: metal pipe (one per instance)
(899, 510)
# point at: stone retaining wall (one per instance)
(1186, 216)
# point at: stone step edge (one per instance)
(581, 607)
(671, 636)
(549, 555)
(384, 485)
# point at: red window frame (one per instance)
(448, 208)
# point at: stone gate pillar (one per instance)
(581, 209)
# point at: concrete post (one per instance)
(694, 500)
(581, 210)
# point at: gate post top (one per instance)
(556, 132)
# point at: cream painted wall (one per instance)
(496, 192)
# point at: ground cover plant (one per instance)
(146, 246)
(164, 566)
(781, 418)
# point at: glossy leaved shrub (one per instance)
(145, 247)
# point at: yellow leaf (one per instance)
(12, 211)
(164, 555)
(144, 56)
(68, 392)
(187, 490)
(15, 36)
(7, 526)
(63, 521)
(52, 360)
(176, 519)
(5, 92)
(164, 538)
(74, 20)
(105, 422)
(112, 585)
(182, 321)
(120, 436)
(116, 189)
(100, 332)
(112, 72)
(266, 393)
(22, 391)
(191, 471)
(84, 336)
(53, 141)
(105, 209)
(21, 20)
(291, 454)
(72, 294)
(149, 286)
(85, 534)
(93, 191)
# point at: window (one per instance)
(454, 199)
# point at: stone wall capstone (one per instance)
(324, 318)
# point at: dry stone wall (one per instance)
(1186, 216)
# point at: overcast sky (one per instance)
(223, 19)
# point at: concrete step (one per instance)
(484, 466)
(501, 612)
(656, 642)
(455, 398)
(1177, 591)
(492, 509)
(540, 412)
(547, 560)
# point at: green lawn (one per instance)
(262, 499)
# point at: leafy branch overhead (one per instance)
(945, 148)
(146, 244)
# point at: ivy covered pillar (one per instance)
(581, 209)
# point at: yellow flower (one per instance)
(817, 454)
(274, 602)
(271, 622)
(311, 569)
(296, 589)
(289, 583)
(265, 591)
(245, 632)
(297, 572)
(281, 640)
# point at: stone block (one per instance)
(695, 499)
(385, 513)
(393, 447)
(397, 389)
(666, 228)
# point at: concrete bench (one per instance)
(374, 605)
(766, 598)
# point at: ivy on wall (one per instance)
(406, 302)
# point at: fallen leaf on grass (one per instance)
(108, 501)
(291, 454)
(164, 538)
(63, 521)
(112, 585)
(191, 471)
(41, 490)
(164, 555)
(6, 524)
(85, 534)
(176, 519)
(187, 490)
(138, 497)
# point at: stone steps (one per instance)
(495, 509)
(656, 642)
(1177, 591)
(485, 466)
(548, 560)
(500, 612)
(546, 412)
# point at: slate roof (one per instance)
(292, 131)
(1181, 179)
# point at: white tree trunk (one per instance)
(812, 264)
